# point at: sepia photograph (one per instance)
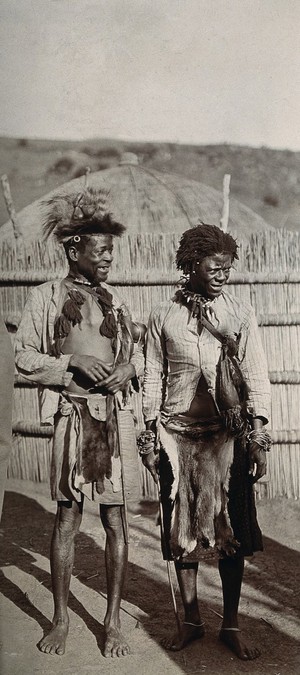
(150, 337)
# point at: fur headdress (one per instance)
(81, 213)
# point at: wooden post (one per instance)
(225, 211)
(86, 176)
(10, 206)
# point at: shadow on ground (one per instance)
(273, 577)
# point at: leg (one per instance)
(116, 556)
(67, 522)
(193, 626)
(231, 573)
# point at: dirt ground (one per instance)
(269, 605)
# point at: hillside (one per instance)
(266, 180)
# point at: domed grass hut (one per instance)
(146, 200)
(156, 208)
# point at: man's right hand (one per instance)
(91, 367)
(150, 461)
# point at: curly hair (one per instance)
(201, 241)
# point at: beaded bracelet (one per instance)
(261, 437)
(146, 442)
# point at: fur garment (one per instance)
(84, 458)
(194, 489)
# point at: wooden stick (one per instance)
(225, 211)
(10, 206)
(125, 524)
(214, 612)
(174, 603)
(86, 176)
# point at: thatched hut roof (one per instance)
(146, 200)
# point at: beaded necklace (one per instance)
(195, 302)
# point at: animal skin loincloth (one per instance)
(86, 454)
(207, 498)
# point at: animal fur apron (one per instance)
(195, 463)
(83, 461)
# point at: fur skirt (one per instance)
(207, 497)
(87, 458)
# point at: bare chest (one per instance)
(85, 337)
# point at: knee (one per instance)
(68, 520)
(113, 520)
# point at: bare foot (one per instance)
(188, 633)
(232, 639)
(55, 641)
(115, 643)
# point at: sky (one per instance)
(187, 71)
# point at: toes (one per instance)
(252, 653)
(243, 656)
(238, 647)
(248, 653)
(113, 651)
(60, 651)
(169, 644)
(51, 649)
(45, 648)
(172, 646)
(54, 642)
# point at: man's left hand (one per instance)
(258, 459)
(118, 379)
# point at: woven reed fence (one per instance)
(267, 275)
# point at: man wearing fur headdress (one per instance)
(76, 339)
(206, 400)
